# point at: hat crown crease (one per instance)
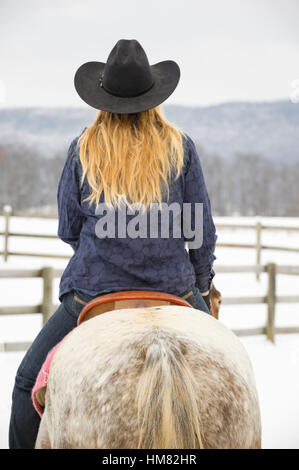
(127, 72)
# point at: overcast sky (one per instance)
(227, 50)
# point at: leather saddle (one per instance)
(129, 299)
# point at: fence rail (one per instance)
(46, 308)
(48, 274)
(258, 227)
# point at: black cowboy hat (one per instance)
(127, 83)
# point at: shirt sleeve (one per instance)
(70, 215)
(203, 257)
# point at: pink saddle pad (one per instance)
(42, 380)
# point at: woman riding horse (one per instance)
(129, 158)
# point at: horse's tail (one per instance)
(168, 413)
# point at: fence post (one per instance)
(258, 246)
(47, 304)
(271, 298)
(7, 213)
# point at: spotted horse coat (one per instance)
(156, 377)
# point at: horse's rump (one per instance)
(122, 379)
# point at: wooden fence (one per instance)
(46, 308)
(258, 227)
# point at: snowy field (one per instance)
(276, 366)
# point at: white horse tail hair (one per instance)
(167, 393)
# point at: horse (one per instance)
(158, 377)
(216, 301)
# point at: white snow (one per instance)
(276, 366)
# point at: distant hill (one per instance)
(270, 129)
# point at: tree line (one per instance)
(250, 184)
(246, 184)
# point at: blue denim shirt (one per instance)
(101, 265)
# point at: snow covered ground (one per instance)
(276, 366)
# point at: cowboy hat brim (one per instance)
(166, 76)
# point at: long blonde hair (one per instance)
(130, 157)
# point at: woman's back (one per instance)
(123, 248)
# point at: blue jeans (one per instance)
(24, 420)
(194, 297)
